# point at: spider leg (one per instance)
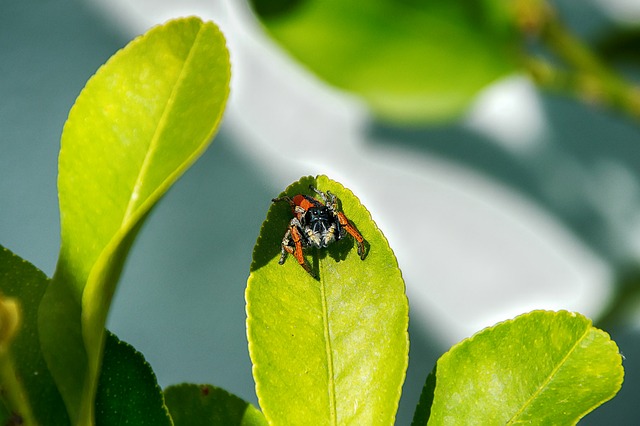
(320, 193)
(292, 243)
(286, 248)
(298, 210)
(329, 199)
(285, 198)
(289, 238)
(347, 226)
(297, 253)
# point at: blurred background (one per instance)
(500, 189)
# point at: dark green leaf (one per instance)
(423, 410)
(206, 405)
(23, 281)
(128, 393)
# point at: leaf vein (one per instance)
(153, 145)
(514, 418)
(329, 351)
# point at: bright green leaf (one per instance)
(24, 282)
(206, 405)
(331, 350)
(127, 391)
(139, 123)
(539, 368)
(412, 61)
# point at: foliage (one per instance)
(26, 284)
(193, 405)
(140, 122)
(327, 350)
(341, 337)
(410, 60)
(541, 367)
(127, 388)
(424, 61)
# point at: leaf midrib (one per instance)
(553, 373)
(329, 351)
(146, 164)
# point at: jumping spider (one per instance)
(315, 224)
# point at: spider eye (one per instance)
(317, 218)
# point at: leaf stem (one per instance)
(12, 390)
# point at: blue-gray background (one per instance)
(186, 274)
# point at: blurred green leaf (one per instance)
(128, 392)
(5, 413)
(21, 280)
(412, 61)
(139, 123)
(539, 368)
(331, 350)
(206, 405)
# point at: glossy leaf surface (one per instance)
(331, 350)
(206, 405)
(539, 368)
(139, 123)
(412, 61)
(128, 392)
(21, 280)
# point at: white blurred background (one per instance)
(532, 201)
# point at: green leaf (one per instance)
(206, 405)
(331, 350)
(539, 368)
(139, 123)
(412, 61)
(5, 413)
(423, 410)
(23, 281)
(127, 391)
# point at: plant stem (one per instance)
(13, 390)
(585, 74)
